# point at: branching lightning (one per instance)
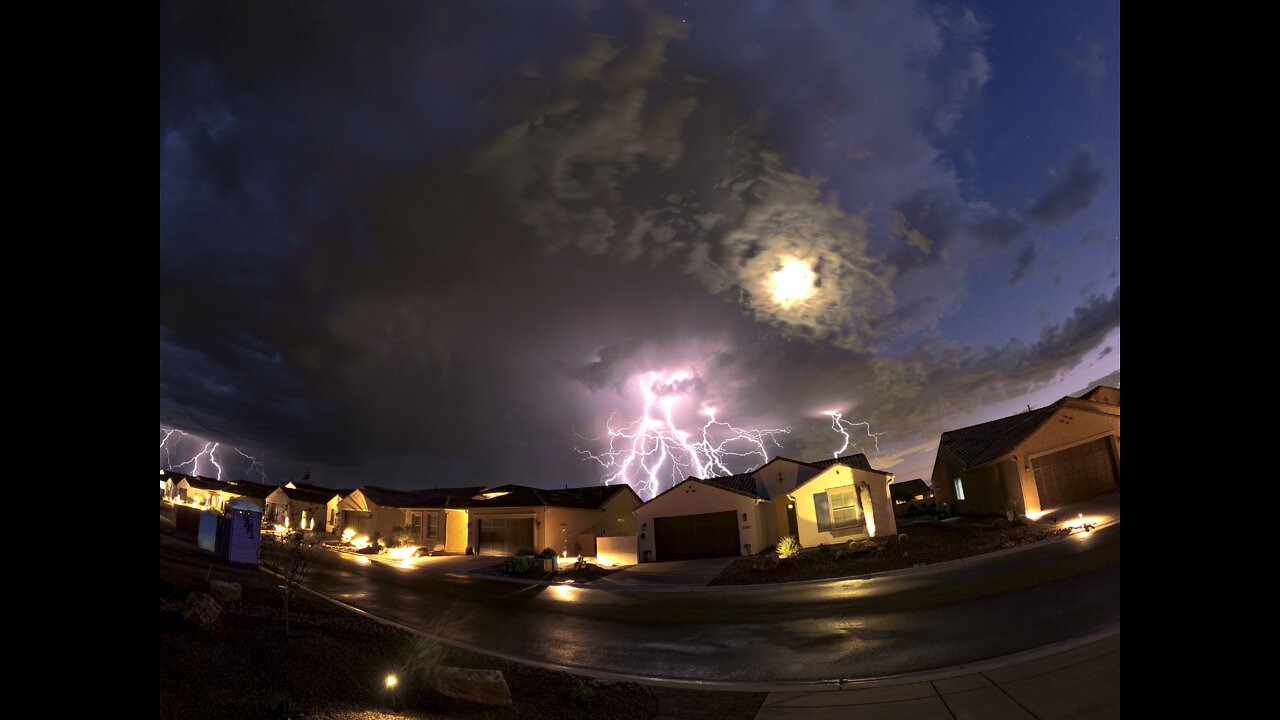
(168, 443)
(652, 449)
(838, 424)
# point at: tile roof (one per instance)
(204, 483)
(908, 489)
(590, 497)
(744, 483)
(458, 497)
(310, 494)
(858, 460)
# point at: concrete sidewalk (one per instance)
(1077, 680)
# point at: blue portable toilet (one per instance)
(240, 533)
(207, 537)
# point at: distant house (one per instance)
(1034, 461)
(828, 501)
(297, 505)
(202, 492)
(254, 492)
(515, 516)
(911, 496)
(372, 511)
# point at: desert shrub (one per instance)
(282, 707)
(582, 694)
(401, 536)
(517, 564)
(788, 547)
(527, 551)
(548, 553)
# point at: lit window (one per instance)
(844, 509)
(959, 488)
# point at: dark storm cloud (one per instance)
(1026, 259)
(1070, 189)
(437, 243)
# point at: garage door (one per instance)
(504, 536)
(1076, 473)
(686, 537)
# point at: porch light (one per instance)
(391, 681)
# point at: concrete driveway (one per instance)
(677, 573)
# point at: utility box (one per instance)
(186, 522)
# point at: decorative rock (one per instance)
(768, 561)
(201, 609)
(225, 592)
(481, 686)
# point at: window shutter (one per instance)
(823, 510)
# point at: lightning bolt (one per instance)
(209, 449)
(169, 443)
(651, 449)
(838, 424)
(255, 465)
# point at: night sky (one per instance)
(432, 244)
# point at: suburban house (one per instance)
(911, 496)
(569, 520)
(255, 493)
(704, 518)
(438, 517)
(819, 503)
(372, 511)
(203, 492)
(1034, 461)
(298, 505)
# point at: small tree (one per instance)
(288, 556)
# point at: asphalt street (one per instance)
(789, 635)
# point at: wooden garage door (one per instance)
(685, 537)
(1076, 473)
(504, 536)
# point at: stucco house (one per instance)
(823, 502)
(569, 520)
(295, 505)
(372, 511)
(844, 502)
(703, 518)
(202, 492)
(1034, 461)
(439, 517)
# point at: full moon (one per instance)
(792, 283)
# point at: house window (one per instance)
(959, 488)
(845, 509)
(416, 520)
(839, 509)
(433, 525)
